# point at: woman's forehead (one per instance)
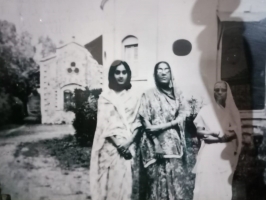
(120, 67)
(220, 85)
(163, 65)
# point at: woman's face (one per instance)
(220, 93)
(163, 73)
(121, 74)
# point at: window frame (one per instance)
(133, 42)
(67, 91)
(245, 114)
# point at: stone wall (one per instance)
(71, 68)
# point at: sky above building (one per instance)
(61, 20)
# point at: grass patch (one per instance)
(249, 180)
(66, 150)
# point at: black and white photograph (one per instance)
(132, 99)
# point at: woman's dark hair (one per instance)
(155, 73)
(111, 78)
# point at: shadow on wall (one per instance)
(203, 15)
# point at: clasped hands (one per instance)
(123, 150)
(153, 129)
(217, 136)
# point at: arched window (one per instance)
(130, 53)
(68, 99)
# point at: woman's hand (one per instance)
(176, 121)
(209, 139)
(231, 132)
(156, 129)
(123, 150)
(148, 127)
(127, 155)
(215, 134)
(228, 138)
(158, 152)
(152, 129)
(124, 146)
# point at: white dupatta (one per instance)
(116, 113)
(213, 111)
(231, 108)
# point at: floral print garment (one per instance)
(158, 108)
(165, 177)
(166, 180)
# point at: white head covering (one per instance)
(231, 108)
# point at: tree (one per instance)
(47, 46)
(16, 62)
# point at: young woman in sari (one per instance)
(162, 143)
(219, 126)
(110, 168)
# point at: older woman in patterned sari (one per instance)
(110, 169)
(162, 143)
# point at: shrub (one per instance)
(85, 110)
(5, 108)
(11, 109)
(18, 113)
(195, 105)
(192, 144)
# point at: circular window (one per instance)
(73, 64)
(76, 70)
(182, 47)
(69, 70)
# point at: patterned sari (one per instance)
(164, 178)
(110, 173)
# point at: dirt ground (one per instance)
(38, 177)
(39, 162)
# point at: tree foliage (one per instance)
(46, 46)
(86, 107)
(16, 61)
